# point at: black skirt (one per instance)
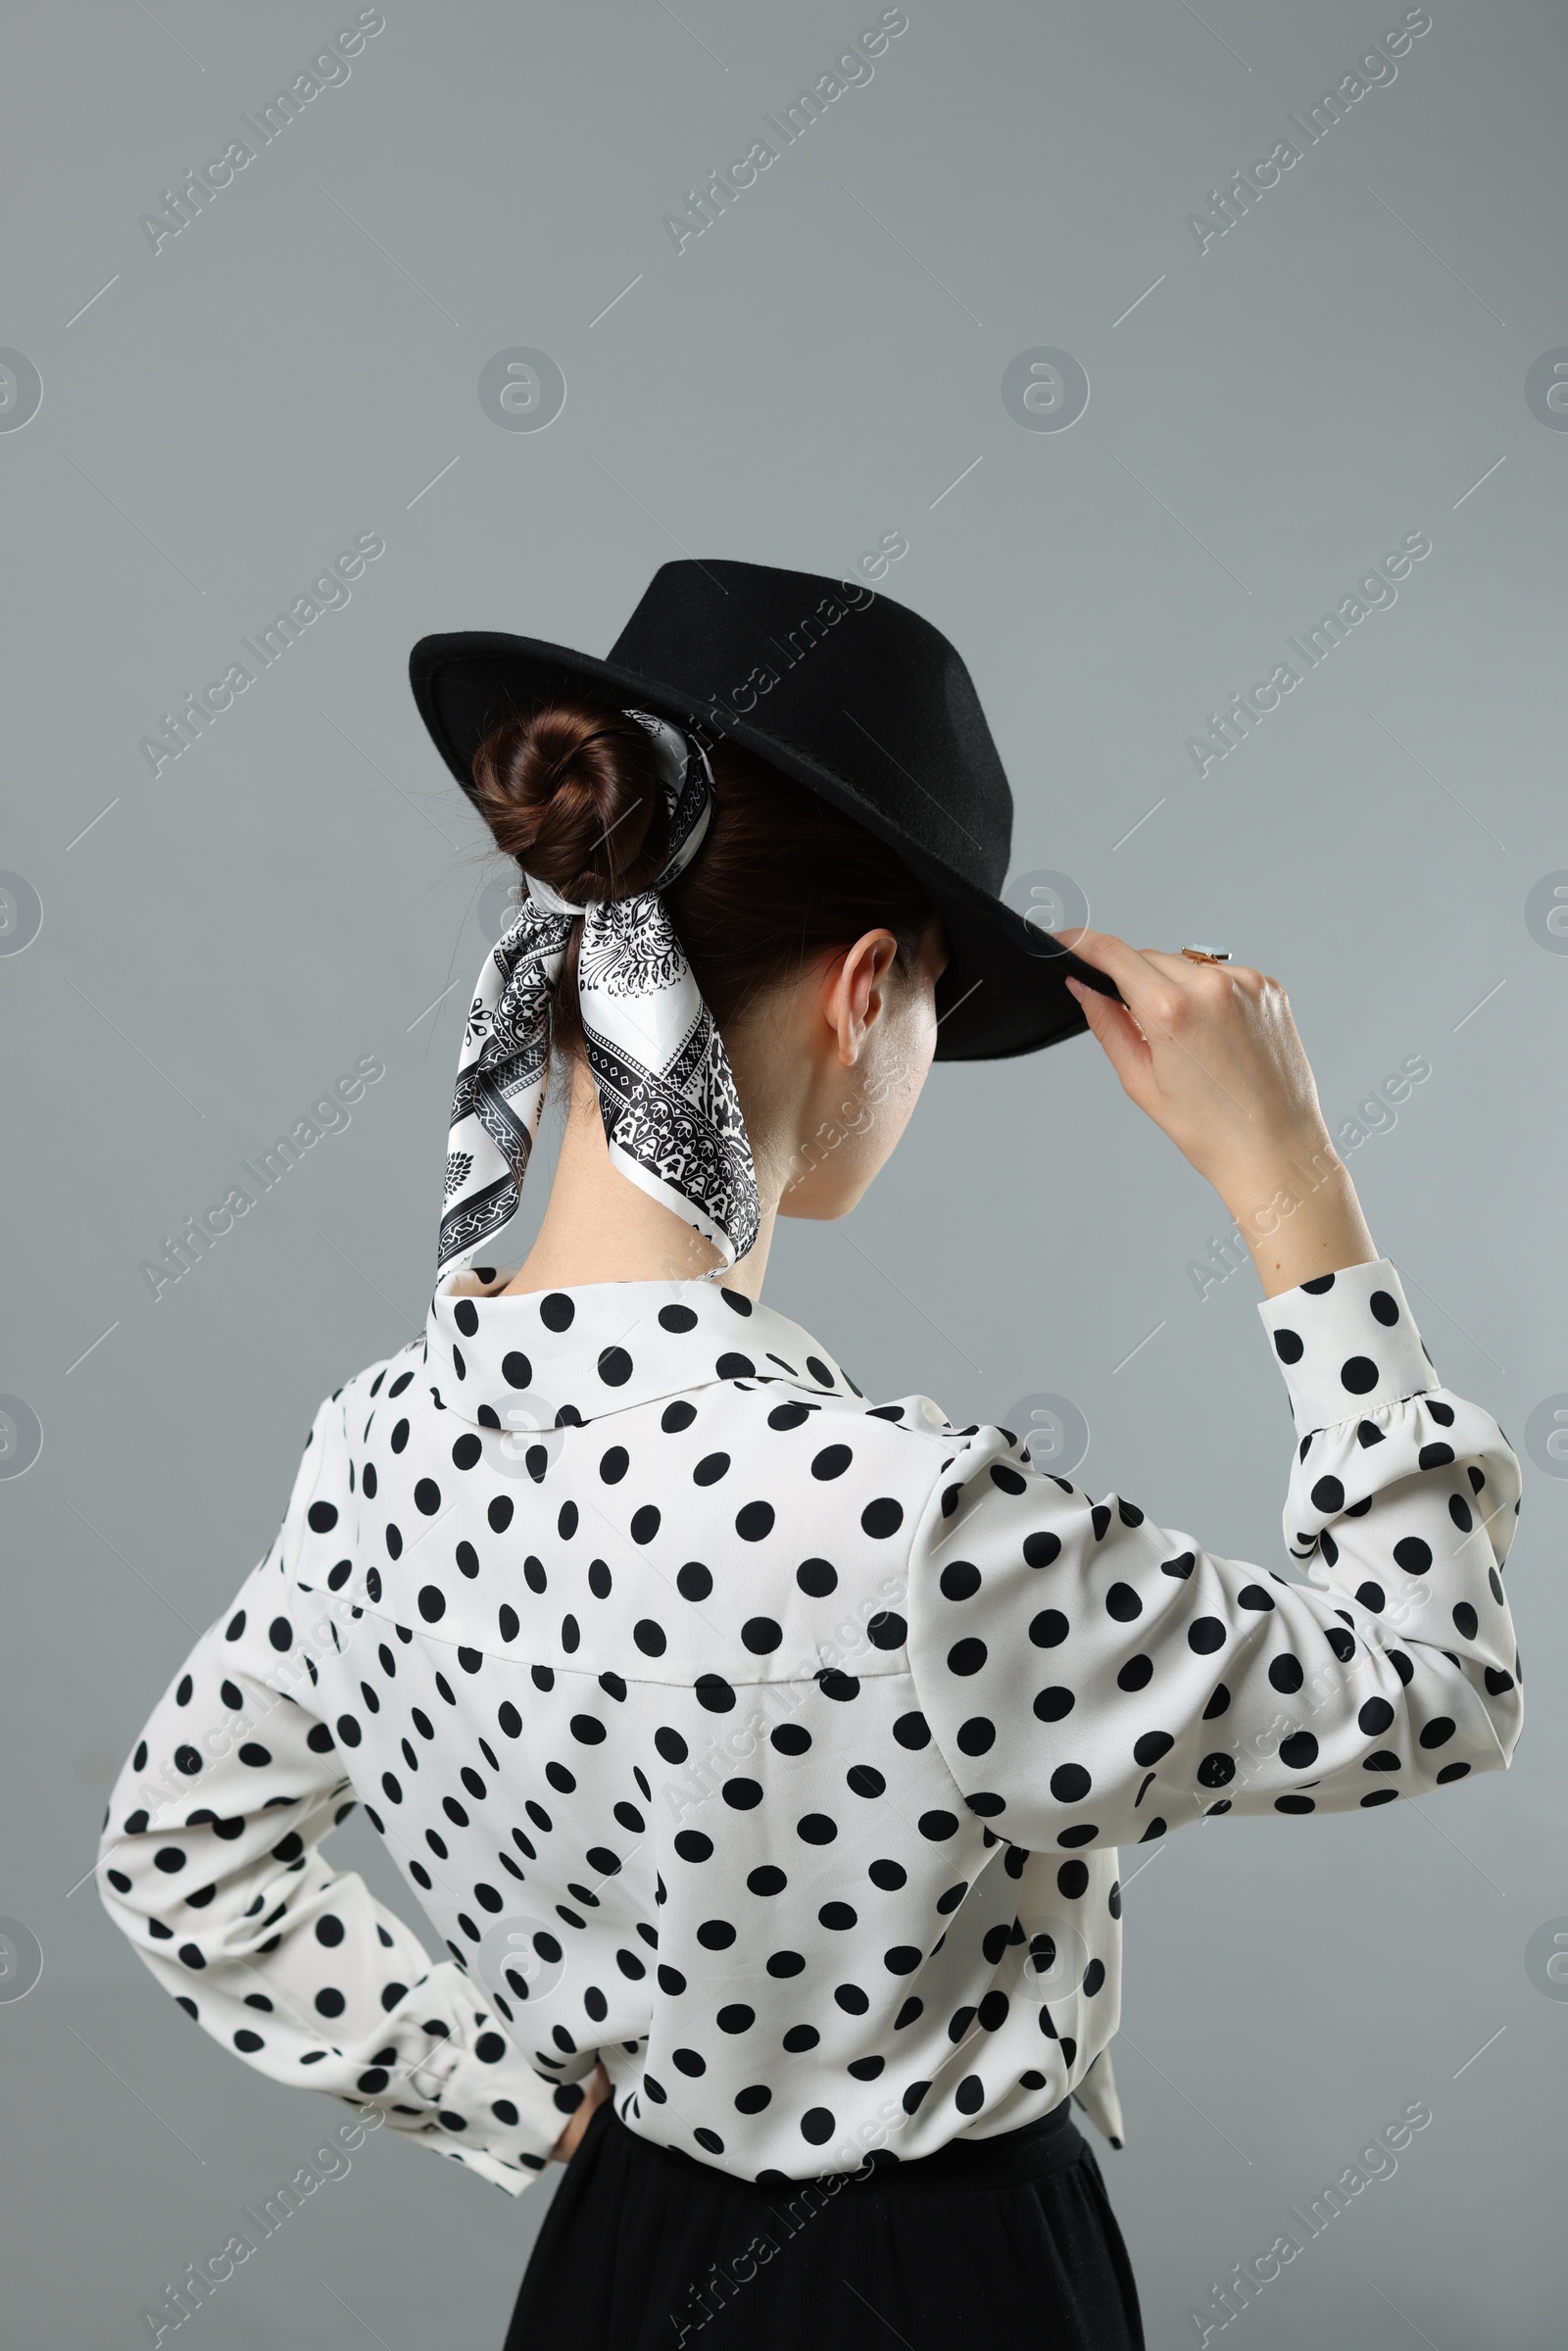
(644, 2247)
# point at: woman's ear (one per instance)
(854, 992)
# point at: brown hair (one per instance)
(573, 793)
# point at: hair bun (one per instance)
(573, 793)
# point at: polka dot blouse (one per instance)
(776, 1748)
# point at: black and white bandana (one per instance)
(672, 1118)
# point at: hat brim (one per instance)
(1003, 991)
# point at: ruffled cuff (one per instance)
(493, 2112)
(1346, 1344)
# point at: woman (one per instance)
(761, 1753)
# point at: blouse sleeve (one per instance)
(1094, 1679)
(211, 1863)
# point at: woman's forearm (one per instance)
(1299, 1219)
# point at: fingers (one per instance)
(1130, 970)
(1216, 977)
(1164, 984)
(1173, 1002)
(1114, 1028)
(1209, 1051)
(1154, 986)
(1184, 972)
(1117, 959)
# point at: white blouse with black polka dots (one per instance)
(773, 1746)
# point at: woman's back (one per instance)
(729, 1727)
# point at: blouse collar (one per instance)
(560, 1357)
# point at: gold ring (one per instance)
(1208, 954)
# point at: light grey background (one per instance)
(299, 889)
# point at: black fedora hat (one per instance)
(852, 696)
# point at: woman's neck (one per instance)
(600, 1227)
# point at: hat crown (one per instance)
(858, 683)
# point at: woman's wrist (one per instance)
(1300, 1217)
(595, 2090)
